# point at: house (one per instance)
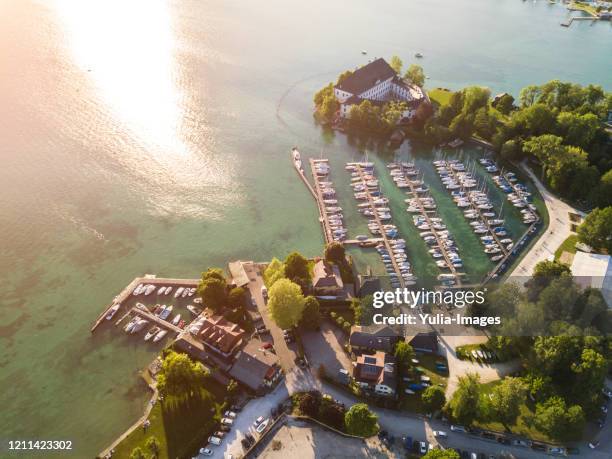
(425, 342)
(378, 83)
(326, 280)
(368, 285)
(256, 367)
(221, 336)
(593, 270)
(372, 339)
(239, 276)
(376, 373)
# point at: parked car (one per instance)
(440, 434)
(236, 408)
(557, 451)
(214, 440)
(227, 421)
(407, 443)
(206, 452)
(258, 421)
(262, 426)
(422, 447)
(225, 428)
(230, 414)
(518, 442)
(457, 428)
(594, 444)
(219, 434)
(267, 345)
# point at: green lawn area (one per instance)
(522, 426)
(180, 431)
(427, 363)
(584, 7)
(569, 245)
(440, 96)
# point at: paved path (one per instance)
(558, 229)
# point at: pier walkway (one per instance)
(475, 207)
(425, 214)
(327, 232)
(385, 239)
(146, 314)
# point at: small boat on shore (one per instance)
(179, 292)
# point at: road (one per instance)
(559, 229)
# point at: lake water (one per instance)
(153, 137)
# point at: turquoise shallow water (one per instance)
(154, 137)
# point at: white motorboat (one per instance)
(176, 319)
(112, 311)
(192, 291)
(178, 292)
(160, 335)
(128, 328)
(149, 289)
(185, 292)
(140, 324)
(138, 290)
(152, 332)
(161, 290)
(168, 290)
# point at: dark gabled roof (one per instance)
(425, 341)
(253, 365)
(367, 76)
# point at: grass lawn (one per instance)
(522, 426)
(569, 245)
(428, 364)
(440, 96)
(180, 431)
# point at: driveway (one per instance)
(286, 353)
(559, 229)
(325, 347)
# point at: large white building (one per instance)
(593, 270)
(378, 83)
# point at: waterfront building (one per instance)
(425, 342)
(221, 336)
(256, 367)
(378, 83)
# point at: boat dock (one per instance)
(146, 314)
(318, 193)
(482, 218)
(125, 297)
(385, 239)
(425, 214)
(297, 164)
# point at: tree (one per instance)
(442, 454)
(137, 453)
(558, 421)
(474, 98)
(237, 297)
(309, 403)
(433, 398)
(506, 400)
(602, 195)
(181, 378)
(505, 104)
(396, 64)
(274, 271)
(416, 75)
(544, 272)
(213, 293)
(511, 150)
(286, 303)
(596, 230)
(153, 445)
(311, 317)
(529, 95)
(332, 414)
(296, 266)
(464, 405)
(579, 130)
(214, 273)
(334, 252)
(232, 388)
(403, 356)
(360, 421)
(343, 76)
(322, 94)
(328, 108)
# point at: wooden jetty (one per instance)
(439, 243)
(126, 294)
(146, 314)
(385, 239)
(323, 219)
(474, 206)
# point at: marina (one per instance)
(433, 231)
(476, 207)
(391, 250)
(152, 308)
(330, 215)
